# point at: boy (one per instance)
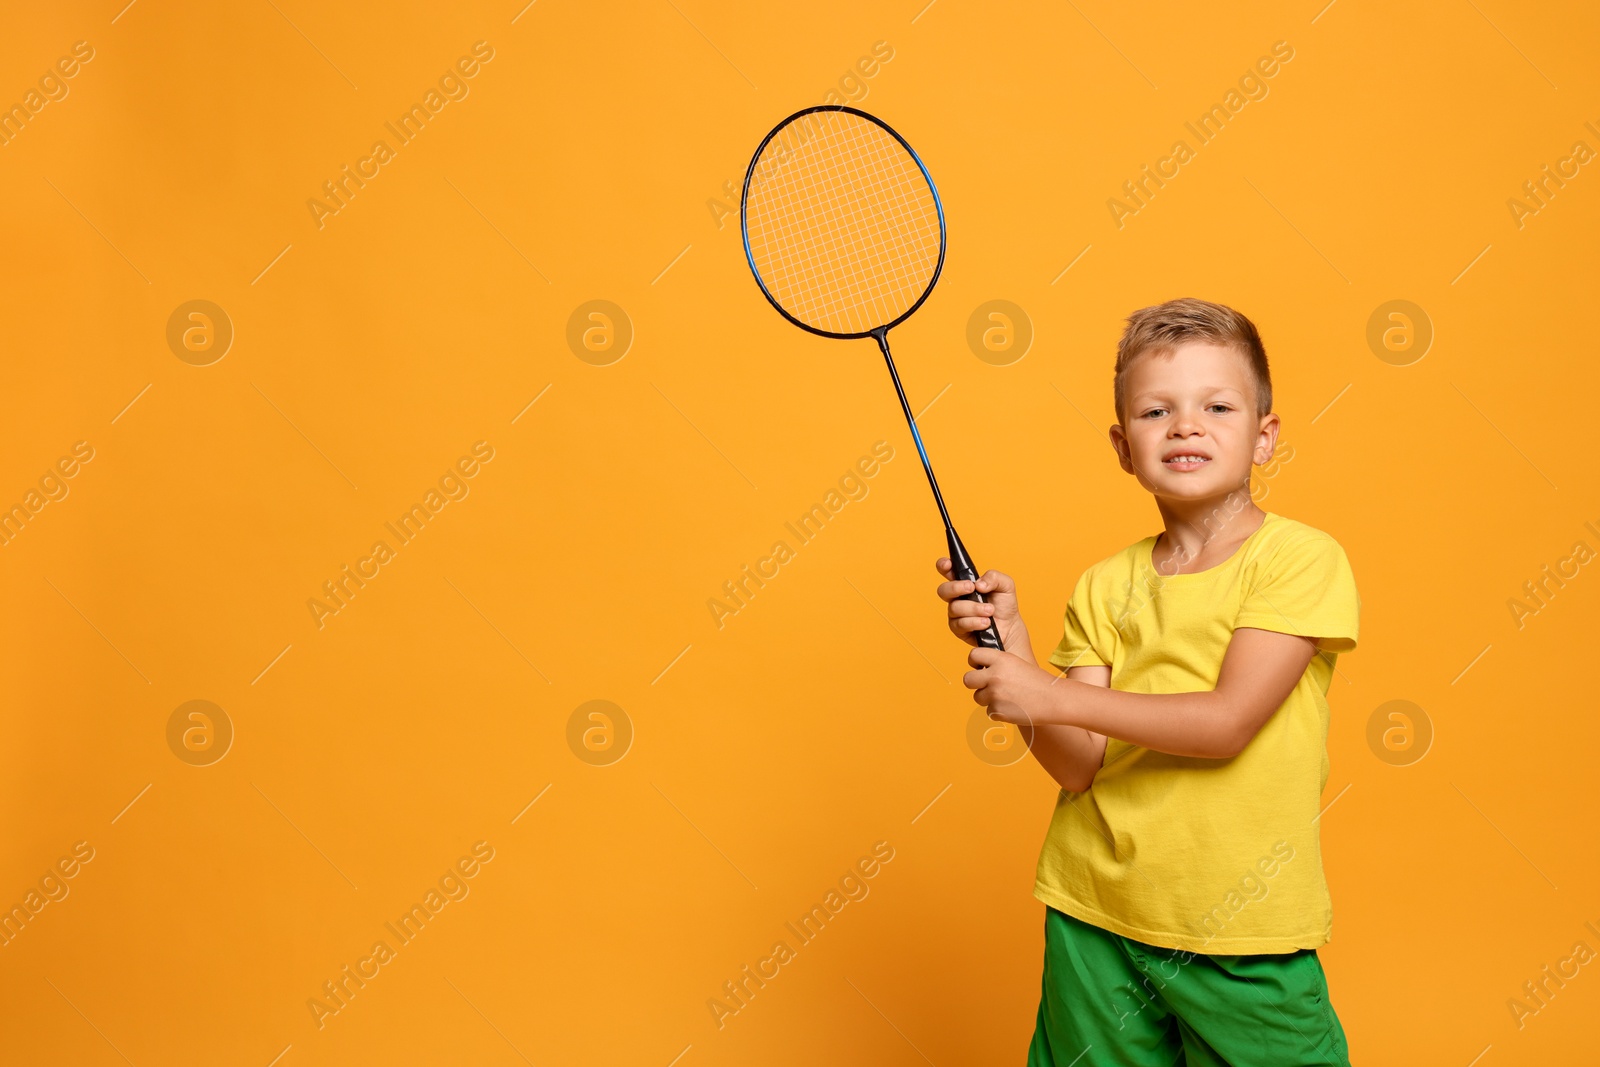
(1182, 874)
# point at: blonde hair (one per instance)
(1162, 328)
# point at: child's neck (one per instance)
(1200, 534)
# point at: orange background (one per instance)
(767, 755)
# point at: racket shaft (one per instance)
(961, 566)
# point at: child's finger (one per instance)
(953, 590)
(985, 657)
(961, 608)
(996, 580)
(943, 564)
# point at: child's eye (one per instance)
(1220, 408)
(1155, 413)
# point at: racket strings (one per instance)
(862, 260)
(835, 261)
(889, 260)
(843, 225)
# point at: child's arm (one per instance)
(1258, 673)
(1069, 754)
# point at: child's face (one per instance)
(1190, 428)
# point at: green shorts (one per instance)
(1111, 1000)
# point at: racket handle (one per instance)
(962, 569)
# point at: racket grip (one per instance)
(962, 569)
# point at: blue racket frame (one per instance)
(744, 226)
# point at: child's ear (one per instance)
(1266, 439)
(1119, 443)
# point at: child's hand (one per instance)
(968, 616)
(1009, 686)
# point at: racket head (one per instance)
(842, 224)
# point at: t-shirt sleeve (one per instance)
(1307, 589)
(1083, 642)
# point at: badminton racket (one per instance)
(845, 234)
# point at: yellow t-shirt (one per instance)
(1217, 856)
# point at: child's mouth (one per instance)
(1186, 462)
